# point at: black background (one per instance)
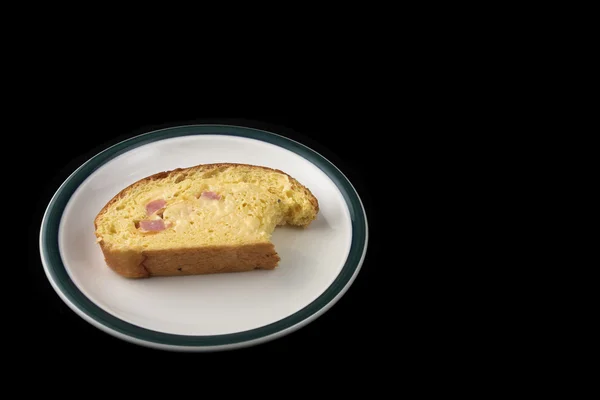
(357, 325)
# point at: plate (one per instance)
(205, 312)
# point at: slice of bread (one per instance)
(209, 218)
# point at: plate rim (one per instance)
(77, 301)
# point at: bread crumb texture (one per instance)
(206, 205)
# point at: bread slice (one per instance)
(210, 218)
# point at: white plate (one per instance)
(205, 312)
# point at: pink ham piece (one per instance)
(156, 225)
(211, 195)
(154, 206)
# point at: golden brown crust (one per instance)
(125, 263)
(160, 175)
(193, 261)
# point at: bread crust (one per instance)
(129, 264)
(193, 261)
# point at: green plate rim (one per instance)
(59, 277)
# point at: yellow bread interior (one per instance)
(251, 201)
